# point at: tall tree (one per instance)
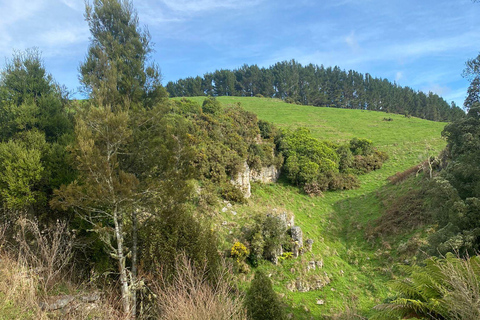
(122, 85)
(116, 68)
(34, 130)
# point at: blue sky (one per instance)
(422, 44)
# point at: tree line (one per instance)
(318, 86)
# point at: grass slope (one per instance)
(357, 269)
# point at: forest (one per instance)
(138, 202)
(318, 86)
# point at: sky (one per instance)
(421, 44)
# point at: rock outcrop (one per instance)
(246, 175)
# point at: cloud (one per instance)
(64, 36)
(398, 76)
(352, 42)
(18, 10)
(195, 6)
(77, 5)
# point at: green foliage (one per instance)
(320, 166)
(224, 139)
(21, 170)
(441, 289)
(211, 105)
(34, 131)
(261, 301)
(306, 158)
(455, 203)
(324, 87)
(265, 238)
(29, 99)
(363, 147)
(116, 69)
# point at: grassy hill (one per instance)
(355, 268)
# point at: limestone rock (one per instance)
(301, 286)
(246, 175)
(57, 302)
(309, 244)
(311, 265)
(242, 181)
(265, 174)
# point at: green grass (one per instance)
(358, 269)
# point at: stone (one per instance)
(229, 205)
(297, 235)
(311, 265)
(265, 174)
(301, 287)
(291, 286)
(224, 209)
(242, 181)
(320, 301)
(275, 254)
(246, 175)
(295, 250)
(56, 303)
(318, 284)
(89, 298)
(319, 263)
(309, 244)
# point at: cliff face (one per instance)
(246, 175)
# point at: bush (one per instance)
(443, 289)
(261, 301)
(190, 296)
(232, 193)
(239, 252)
(211, 105)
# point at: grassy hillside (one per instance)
(355, 269)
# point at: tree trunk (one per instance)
(134, 262)
(125, 290)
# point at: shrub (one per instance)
(211, 105)
(313, 189)
(191, 297)
(360, 146)
(261, 301)
(443, 289)
(47, 250)
(239, 251)
(232, 193)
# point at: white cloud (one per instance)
(194, 6)
(77, 5)
(352, 42)
(18, 10)
(398, 76)
(64, 36)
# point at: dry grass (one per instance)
(463, 280)
(191, 297)
(404, 214)
(18, 291)
(27, 276)
(47, 251)
(402, 176)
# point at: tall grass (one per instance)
(191, 297)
